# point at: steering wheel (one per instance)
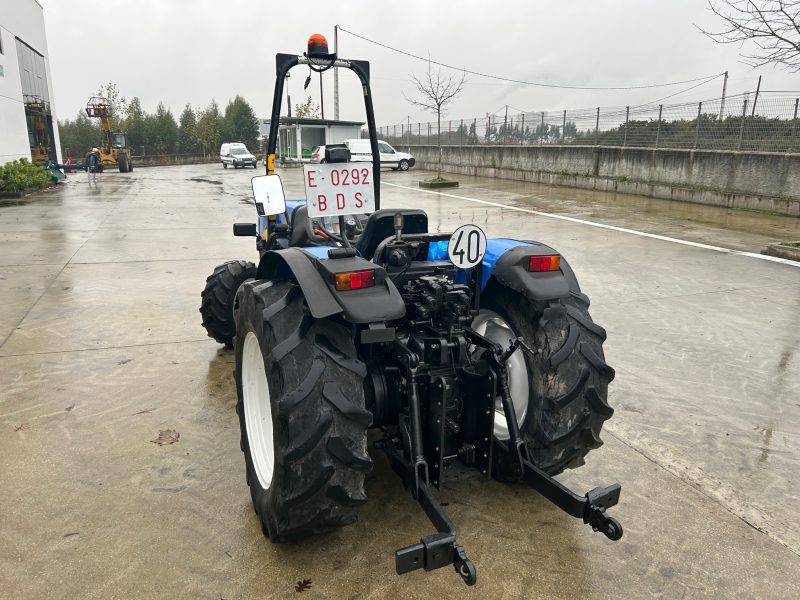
(314, 232)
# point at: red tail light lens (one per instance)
(355, 280)
(544, 263)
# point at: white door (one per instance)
(388, 155)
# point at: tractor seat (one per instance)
(300, 226)
(380, 225)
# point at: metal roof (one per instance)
(297, 121)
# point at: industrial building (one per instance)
(297, 137)
(28, 126)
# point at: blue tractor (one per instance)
(470, 356)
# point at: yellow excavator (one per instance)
(114, 149)
(36, 113)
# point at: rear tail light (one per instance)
(355, 280)
(544, 263)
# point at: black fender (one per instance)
(511, 271)
(316, 278)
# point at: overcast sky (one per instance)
(179, 51)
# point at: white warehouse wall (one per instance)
(23, 19)
(13, 132)
(336, 134)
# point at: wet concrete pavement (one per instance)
(101, 347)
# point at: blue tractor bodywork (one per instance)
(502, 262)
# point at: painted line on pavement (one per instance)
(654, 236)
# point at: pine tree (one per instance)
(209, 129)
(187, 131)
(240, 123)
(135, 127)
(164, 130)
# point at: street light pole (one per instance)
(288, 98)
(321, 99)
(724, 92)
(336, 74)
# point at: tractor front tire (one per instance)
(218, 299)
(568, 389)
(301, 413)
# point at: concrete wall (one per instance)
(23, 19)
(752, 180)
(162, 160)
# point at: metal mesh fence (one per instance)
(766, 122)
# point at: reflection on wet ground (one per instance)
(101, 348)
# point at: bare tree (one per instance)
(436, 91)
(307, 110)
(772, 25)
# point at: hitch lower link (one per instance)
(436, 550)
(591, 507)
(440, 549)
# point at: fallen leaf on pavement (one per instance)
(167, 436)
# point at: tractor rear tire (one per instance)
(122, 162)
(569, 379)
(219, 298)
(306, 426)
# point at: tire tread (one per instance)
(316, 384)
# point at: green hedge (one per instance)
(21, 175)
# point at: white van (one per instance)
(236, 154)
(360, 151)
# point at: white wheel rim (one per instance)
(492, 326)
(257, 410)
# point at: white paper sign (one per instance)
(339, 189)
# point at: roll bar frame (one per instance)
(285, 63)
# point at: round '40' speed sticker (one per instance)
(467, 246)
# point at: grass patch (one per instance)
(791, 244)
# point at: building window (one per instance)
(32, 71)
